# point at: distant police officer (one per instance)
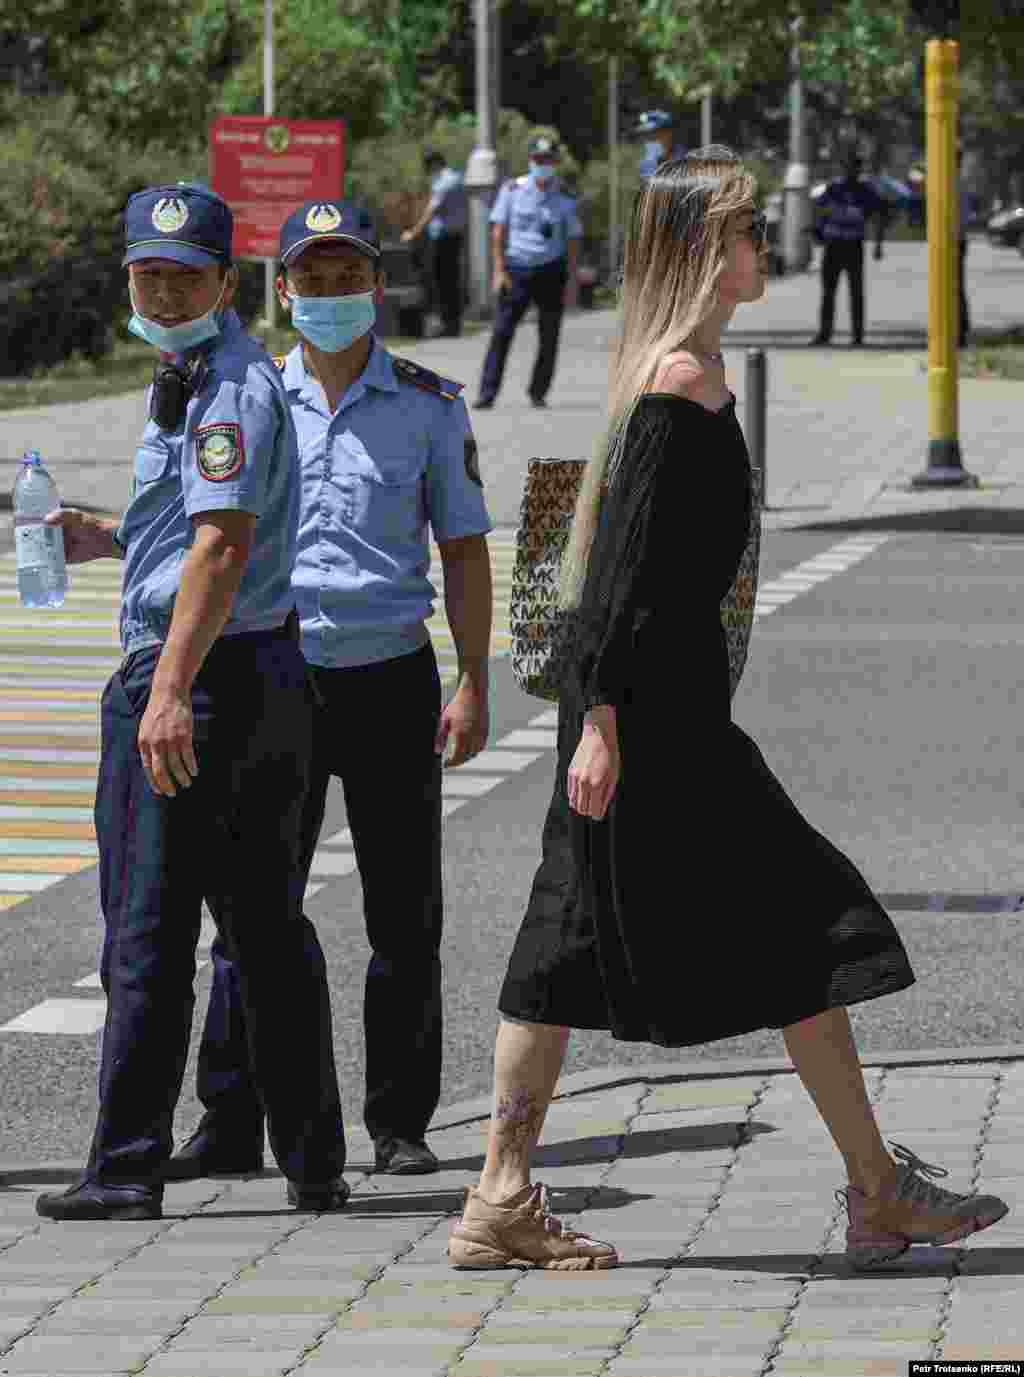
(658, 129)
(844, 210)
(444, 221)
(206, 734)
(385, 448)
(535, 237)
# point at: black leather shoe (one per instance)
(818, 342)
(205, 1155)
(319, 1199)
(538, 402)
(89, 1200)
(483, 403)
(400, 1157)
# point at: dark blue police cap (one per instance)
(181, 222)
(652, 120)
(318, 222)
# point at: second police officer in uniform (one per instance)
(207, 732)
(658, 129)
(385, 448)
(444, 221)
(535, 237)
(844, 210)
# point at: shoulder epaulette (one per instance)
(407, 371)
(279, 361)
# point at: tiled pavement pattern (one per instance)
(718, 1191)
(53, 665)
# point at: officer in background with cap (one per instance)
(658, 129)
(535, 239)
(843, 211)
(385, 448)
(207, 732)
(444, 221)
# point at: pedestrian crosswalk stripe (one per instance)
(53, 667)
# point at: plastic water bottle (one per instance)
(42, 575)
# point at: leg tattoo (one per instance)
(517, 1121)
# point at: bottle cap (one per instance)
(32, 456)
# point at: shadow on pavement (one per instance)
(897, 339)
(918, 1263)
(954, 520)
(646, 1143)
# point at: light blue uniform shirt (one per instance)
(393, 460)
(525, 209)
(448, 202)
(235, 450)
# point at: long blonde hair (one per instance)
(675, 250)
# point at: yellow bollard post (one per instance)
(942, 97)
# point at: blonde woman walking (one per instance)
(682, 897)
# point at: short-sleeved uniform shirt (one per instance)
(448, 203)
(235, 450)
(846, 207)
(527, 211)
(393, 462)
(650, 162)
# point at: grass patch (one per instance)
(995, 356)
(129, 368)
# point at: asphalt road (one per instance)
(885, 698)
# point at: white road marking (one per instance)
(776, 593)
(74, 1016)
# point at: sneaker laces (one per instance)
(551, 1223)
(914, 1188)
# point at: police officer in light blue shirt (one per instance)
(387, 456)
(207, 734)
(535, 236)
(657, 128)
(444, 223)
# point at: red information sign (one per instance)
(265, 168)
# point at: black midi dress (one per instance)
(703, 905)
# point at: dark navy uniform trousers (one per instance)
(544, 287)
(842, 256)
(231, 838)
(375, 732)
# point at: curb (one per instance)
(609, 1078)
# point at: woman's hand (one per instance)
(594, 773)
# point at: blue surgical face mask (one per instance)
(539, 172)
(332, 323)
(176, 339)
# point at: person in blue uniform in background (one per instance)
(845, 207)
(444, 222)
(386, 453)
(658, 130)
(535, 238)
(207, 735)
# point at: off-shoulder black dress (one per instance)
(702, 905)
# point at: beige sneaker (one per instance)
(522, 1232)
(912, 1210)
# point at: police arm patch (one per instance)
(220, 451)
(472, 457)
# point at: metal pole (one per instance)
(613, 168)
(796, 246)
(705, 117)
(270, 297)
(482, 170)
(941, 101)
(756, 400)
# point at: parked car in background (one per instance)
(1006, 227)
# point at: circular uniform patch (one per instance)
(169, 214)
(220, 453)
(323, 219)
(472, 457)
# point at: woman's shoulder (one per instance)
(681, 374)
